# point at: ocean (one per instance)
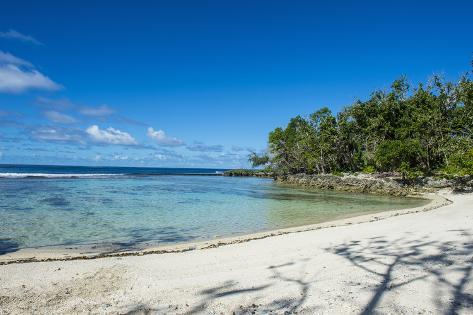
(129, 208)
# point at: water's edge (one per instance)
(61, 253)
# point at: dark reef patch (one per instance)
(56, 201)
(106, 201)
(8, 245)
(166, 235)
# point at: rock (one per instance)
(361, 183)
(438, 183)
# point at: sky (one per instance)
(202, 83)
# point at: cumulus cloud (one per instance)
(202, 147)
(110, 136)
(12, 34)
(162, 139)
(101, 111)
(59, 117)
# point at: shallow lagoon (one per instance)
(134, 211)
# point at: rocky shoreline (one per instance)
(379, 183)
(348, 183)
(383, 184)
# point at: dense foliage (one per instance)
(426, 130)
(246, 172)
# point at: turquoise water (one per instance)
(135, 211)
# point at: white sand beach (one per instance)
(415, 263)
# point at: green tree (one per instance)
(258, 160)
(426, 130)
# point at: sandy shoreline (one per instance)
(62, 253)
(415, 263)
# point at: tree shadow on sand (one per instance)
(208, 297)
(428, 259)
(284, 305)
(384, 263)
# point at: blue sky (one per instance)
(201, 83)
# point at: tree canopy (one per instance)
(413, 131)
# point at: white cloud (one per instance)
(7, 58)
(18, 75)
(12, 34)
(110, 136)
(119, 157)
(59, 117)
(163, 139)
(16, 80)
(100, 111)
(58, 134)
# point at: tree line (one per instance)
(426, 130)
